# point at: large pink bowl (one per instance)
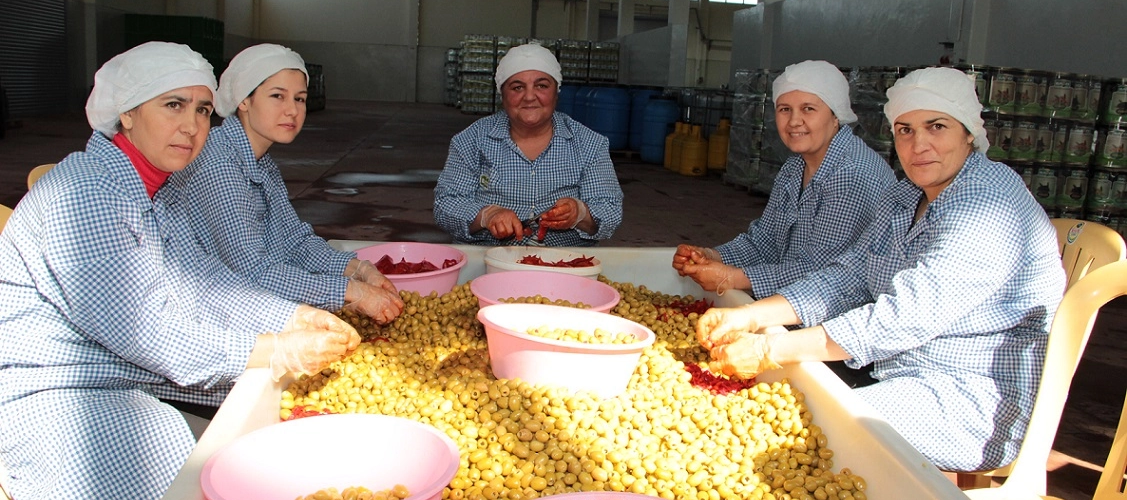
(490, 288)
(299, 457)
(440, 281)
(604, 369)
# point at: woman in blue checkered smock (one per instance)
(241, 211)
(950, 292)
(528, 175)
(823, 197)
(107, 306)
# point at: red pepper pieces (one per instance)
(715, 384)
(307, 411)
(535, 260)
(541, 233)
(387, 266)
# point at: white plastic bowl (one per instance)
(498, 259)
(491, 288)
(604, 369)
(288, 459)
(440, 281)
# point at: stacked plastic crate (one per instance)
(478, 53)
(451, 86)
(603, 67)
(575, 60)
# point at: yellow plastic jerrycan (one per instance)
(718, 146)
(694, 153)
(672, 154)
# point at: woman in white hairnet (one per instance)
(108, 307)
(241, 211)
(822, 200)
(528, 175)
(950, 292)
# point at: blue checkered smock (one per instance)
(954, 311)
(241, 213)
(106, 306)
(802, 230)
(485, 167)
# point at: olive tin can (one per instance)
(999, 132)
(1102, 214)
(1086, 90)
(1115, 109)
(1025, 170)
(1072, 186)
(1111, 148)
(1052, 136)
(1078, 149)
(1028, 97)
(1106, 186)
(1058, 96)
(980, 75)
(1043, 186)
(1023, 141)
(1002, 89)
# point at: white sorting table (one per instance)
(861, 439)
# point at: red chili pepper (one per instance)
(387, 266)
(541, 233)
(715, 383)
(307, 411)
(535, 260)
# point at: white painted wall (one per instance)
(1080, 36)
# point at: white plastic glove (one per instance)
(311, 339)
(746, 357)
(567, 213)
(723, 325)
(501, 222)
(367, 272)
(372, 301)
(310, 318)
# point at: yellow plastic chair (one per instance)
(1071, 328)
(5, 212)
(38, 172)
(1111, 479)
(1085, 246)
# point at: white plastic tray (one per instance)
(861, 439)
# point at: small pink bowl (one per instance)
(604, 369)
(490, 288)
(373, 451)
(440, 281)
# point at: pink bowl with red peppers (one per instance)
(447, 260)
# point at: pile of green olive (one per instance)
(540, 299)
(399, 492)
(598, 336)
(663, 437)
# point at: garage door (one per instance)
(33, 56)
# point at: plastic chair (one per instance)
(1111, 479)
(38, 172)
(5, 212)
(1071, 328)
(1085, 246)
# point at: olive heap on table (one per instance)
(677, 432)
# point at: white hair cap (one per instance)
(248, 69)
(146, 71)
(946, 90)
(528, 57)
(821, 79)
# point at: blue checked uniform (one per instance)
(954, 311)
(105, 306)
(802, 230)
(485, 167)
(241, 213)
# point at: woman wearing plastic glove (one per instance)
(109, 311)
(950, 292)
(241, 211)
(822, 199)
(528, 175)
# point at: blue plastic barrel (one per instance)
(566, 102)
(657, 122)
(579, 109)
(608, 113)
(639, 98)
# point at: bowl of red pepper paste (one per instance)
(417, 267)
(495, 288)
(556, 260)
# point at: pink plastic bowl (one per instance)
(285, 460)
(490, 288)
(604, 369)
(441, 281)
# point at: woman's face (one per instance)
(932, 148)
(806, 124)
(170, 129)
(529, 98)
(275, 111)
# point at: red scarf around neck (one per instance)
(152, 177)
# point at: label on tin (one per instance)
(1116, 106)
(1073, 187)
(1023, 141)
(1002, 92)
(1044, 186)
(1113, 150)
(1000, 145)
(1079, 147)
(1025, 98)
(1101, 189)
(1058, 98)
(1051, 139)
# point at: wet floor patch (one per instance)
(409, 178)
(358, 221)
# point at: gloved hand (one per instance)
(367, 272)
(567, 213)
(690, 254)
(501, 222)
(310, 318)
(723, 325)
(746, 357)
(372, 301)
(308, 351)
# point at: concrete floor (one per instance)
(366, 171)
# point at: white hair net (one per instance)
(821, 79)
(946, 90)
(528, 57)
(139, 74)
(248, 69)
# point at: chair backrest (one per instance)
(1072, 325)
(38, 172)
(5, 212)
(1110, 486)
(1086, 245)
